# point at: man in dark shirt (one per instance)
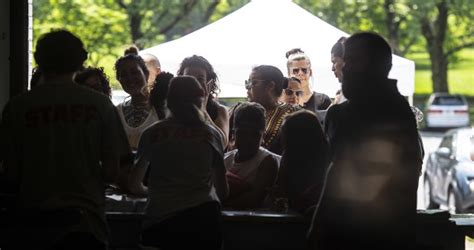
(370, 196)
(62, 143)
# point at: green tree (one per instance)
(97, 22)
(107, 26)
(391, 18)
(444, 25)
(100, 24)
(447, 28)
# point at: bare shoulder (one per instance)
(221, 108)
(269, 163)
(222, 111)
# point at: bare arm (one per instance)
(266, 175)
(222, 122)
(220, 180)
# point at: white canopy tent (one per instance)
(261, 32)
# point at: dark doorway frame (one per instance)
(18, 47)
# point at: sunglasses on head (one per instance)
(297, 70)
(296, 92)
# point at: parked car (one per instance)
(118, 96)
(447, 111)
(449, 174)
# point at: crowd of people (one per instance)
(350, 165)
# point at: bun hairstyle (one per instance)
(131, 54)
(132, 50)
(60, 51)
(296, 54)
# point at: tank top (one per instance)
(247, 170)
(133, 134)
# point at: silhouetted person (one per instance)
(63, 143)
(187, 173)
(264, 86)
(304, 161)
(158, 93)
(36, 77)
(370, 196)
(337, 60)
(202, 70)
(251, 169)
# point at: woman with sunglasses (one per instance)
(292, 91)
(299, 66)
(265, 86)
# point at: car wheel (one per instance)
(429, 203)
(453, 204)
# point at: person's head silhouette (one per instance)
(367, 62)
(59, 52)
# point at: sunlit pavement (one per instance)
(431, 141)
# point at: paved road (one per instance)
(431, 141)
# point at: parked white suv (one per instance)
(447, 111)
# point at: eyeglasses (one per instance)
(250, 83)
(297, 70)
(291, 92)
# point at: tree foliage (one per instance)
(445, 26)
(108, 26)
(440, 27)
(99, 23)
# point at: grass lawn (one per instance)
(460, 74)
(460, 78)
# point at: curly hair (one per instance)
(159, 92)
(84, 74)
(201, 62)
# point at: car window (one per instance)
(465, 146)
(447, 142)
(448, 101)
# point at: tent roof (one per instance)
(261, 32)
